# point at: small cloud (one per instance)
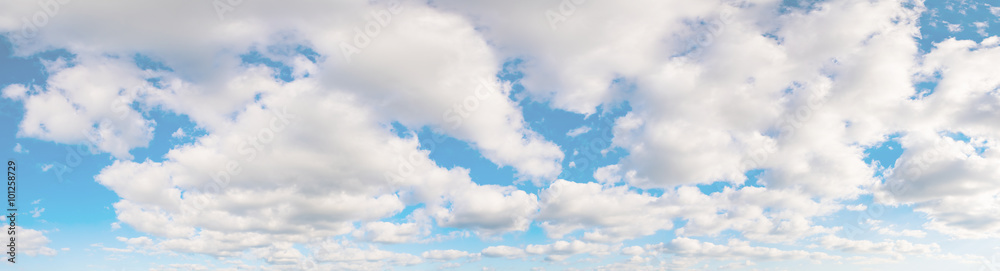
(859, 207)
(115, 226)
(46, 167)
(19, 149)
(954, 27)
(179, 133)
(981, 28)
(37, 212)
(578, 131)
(36, 201)
(572, 164)
(995, 11)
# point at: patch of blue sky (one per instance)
(752, 178)
(884, 154)
(282, 72)
(980, 145)
(29, 70)
(923, 89)
(148, 63)
(956, 19)
(854, 224)
(449, 152)
(798, 6)
(957, 136)
(163, 141)
(584, 151)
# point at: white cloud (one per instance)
(857, 207)
(219, 174)
(775, 106)
(489, 209)
(907, 233)
(561, 250)
(141, 241)
(981, 28)
(348, 254)
(733, 250)
(37, 212)
(88, 103)
(385, 232)
(19, 149)
(578, 131)
(888, 247)
(503, 251)
(33, 242)
(179, 133)
(569, 206)
(446, 255)
(954, 27)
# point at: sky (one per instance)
(503, 135)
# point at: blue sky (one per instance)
(556, 135)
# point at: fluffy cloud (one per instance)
(734, 250)
(759, 214)
(569, 206)
(385, 232)
(560, 250)
(217, 194)
(345, 255)
(890, 247)
(33, 242)
(953, 181)
(446, 255)
(503, 251)
(87, 102)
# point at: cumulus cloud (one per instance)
(19, 149)
(560, 250)
(503, 251)
(446, 255)
(87, 102)
(890, 247)
(950, 179)
(734, 250)
(578, 131)
(33, 242)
